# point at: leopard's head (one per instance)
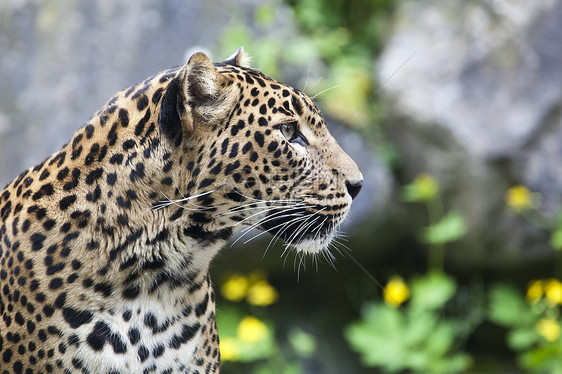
(256, 153)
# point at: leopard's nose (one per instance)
(353, 188)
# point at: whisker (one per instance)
(326, 90)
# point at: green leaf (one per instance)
(304, 344)
(556, 239)
(457, 363)
(508, 307)
(423, 188)
(432, 291)
(450, 228)
(381, 327)
(545, 358)
(522, 338)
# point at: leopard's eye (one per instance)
(288, 130)
(292, 134)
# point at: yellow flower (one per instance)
(553, 291)
(262, 293)
(252, 330)
(396, 292)
(235, 288)
(520, 198)
(229, 349)
(548, 329)
(535, 290)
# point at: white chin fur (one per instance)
(313, 246)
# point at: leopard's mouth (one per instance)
(306, 230)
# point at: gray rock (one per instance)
(474, 88)
(486, 71)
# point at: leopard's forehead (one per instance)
(269, 96)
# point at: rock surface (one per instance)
(475, 91)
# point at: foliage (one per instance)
(248, 339)
(443, 227)
(533, 323)
(420, 336)
(416, 337)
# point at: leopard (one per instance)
(106, 245)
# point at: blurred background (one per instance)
(453, 111)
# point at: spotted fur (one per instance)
(105, 246)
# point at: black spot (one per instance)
(296, 104)
(142, 102)
(89, 131)
(143, 353)
(116, 159)
(150, 321)
(55, 283)
(104, 288)
(111, 178)
(37, 241)
(247, 147)
(131, 292)
(177, 214)
(128, 144)
(76, 318)
(201, 308)
(206, 182)
(48, 224)
(45, 190)
(187, 333)
(234, 151)
(158, 351)
(216, 169)
(224, 146)
(258, 136)
(7, 355)
(155, 263)
(65, 202)
(94, 175)
(231, 167)
(134, 335)
(96, 339)
(30, 327)
(200, 217)
(157, 95)
(137, 173)
(123, 117)
(60, 300)
(272, 146)
(62, 174)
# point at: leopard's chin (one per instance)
(313, 246)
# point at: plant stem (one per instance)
(436, 252)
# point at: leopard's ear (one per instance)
(198, 94)
(239, 58)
